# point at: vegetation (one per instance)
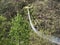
(19, 31)
(14, 24)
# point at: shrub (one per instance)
(19, 31)
(4, 30)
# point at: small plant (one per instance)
(4, 31)
(19, 31)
